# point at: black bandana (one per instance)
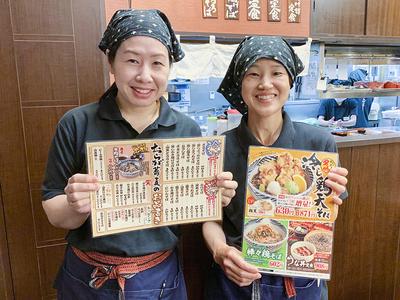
(152, 23)
(248, 52)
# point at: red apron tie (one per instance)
(116, 267)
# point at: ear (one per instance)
(110, 67)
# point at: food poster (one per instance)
(289, 212)
(152, 183)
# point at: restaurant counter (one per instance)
(372, 136)
(366, 262)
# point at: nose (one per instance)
(144, 74)
(265, 83)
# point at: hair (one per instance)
(112, 53)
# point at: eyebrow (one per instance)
(130, 51)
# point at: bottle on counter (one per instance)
(374, 113)
(222, 125)
(212, 125)
(234, 117)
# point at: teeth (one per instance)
(266, 97)
(143, 91)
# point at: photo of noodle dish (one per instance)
(131, 167)
(321, 239)
(272, 175)
(265, 233)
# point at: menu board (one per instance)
(289, 212)
(153, 183)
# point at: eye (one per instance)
(253, 74)
(133, 61)
(158, 63)
(278, 73)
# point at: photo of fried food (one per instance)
(283, 175)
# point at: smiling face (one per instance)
(265, 88)
(140, 68)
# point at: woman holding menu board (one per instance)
(257, 84)
(140, 46)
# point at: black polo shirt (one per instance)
(293, 136)
(103, 121)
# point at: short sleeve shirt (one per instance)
(293, 136)
(329, 108)
(103, 121)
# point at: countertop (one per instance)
(373, 136)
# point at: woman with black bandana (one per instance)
(257, 83)
(140, 46)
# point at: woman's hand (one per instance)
(78, 190)
(337, 182)
(227, 186)
(234, 266)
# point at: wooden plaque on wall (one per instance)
(210, 9)
(294, 11)
(232, 9)
(274, 10)
(254, 10)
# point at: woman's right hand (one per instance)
(78, 191)
(235, 267)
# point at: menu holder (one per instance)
(153, 183)
(289, 212)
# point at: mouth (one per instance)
(142, 91)
(266, 97)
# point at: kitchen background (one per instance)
(199, 99)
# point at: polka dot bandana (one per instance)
(248, 52)
(152, 23)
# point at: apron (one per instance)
(163, 281)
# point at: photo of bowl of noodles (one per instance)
(321, 239)
(272, 175)
(131, 168)
(265, 233)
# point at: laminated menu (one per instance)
(152, 183)
(289, 212)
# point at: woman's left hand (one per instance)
(337, 182)
(227, 186)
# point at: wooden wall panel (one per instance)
(46, 17)
(338, 17)
(13, 174)
(186, 16)
(45, 233)
(336, 284)
(49, 258)
(382, 18)
(367, 238)
(6, 292)
(355, 227)
(47, 72)
(396, 292)
(38, 136)
(49, 53)
(387, 223)
(92, 71)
